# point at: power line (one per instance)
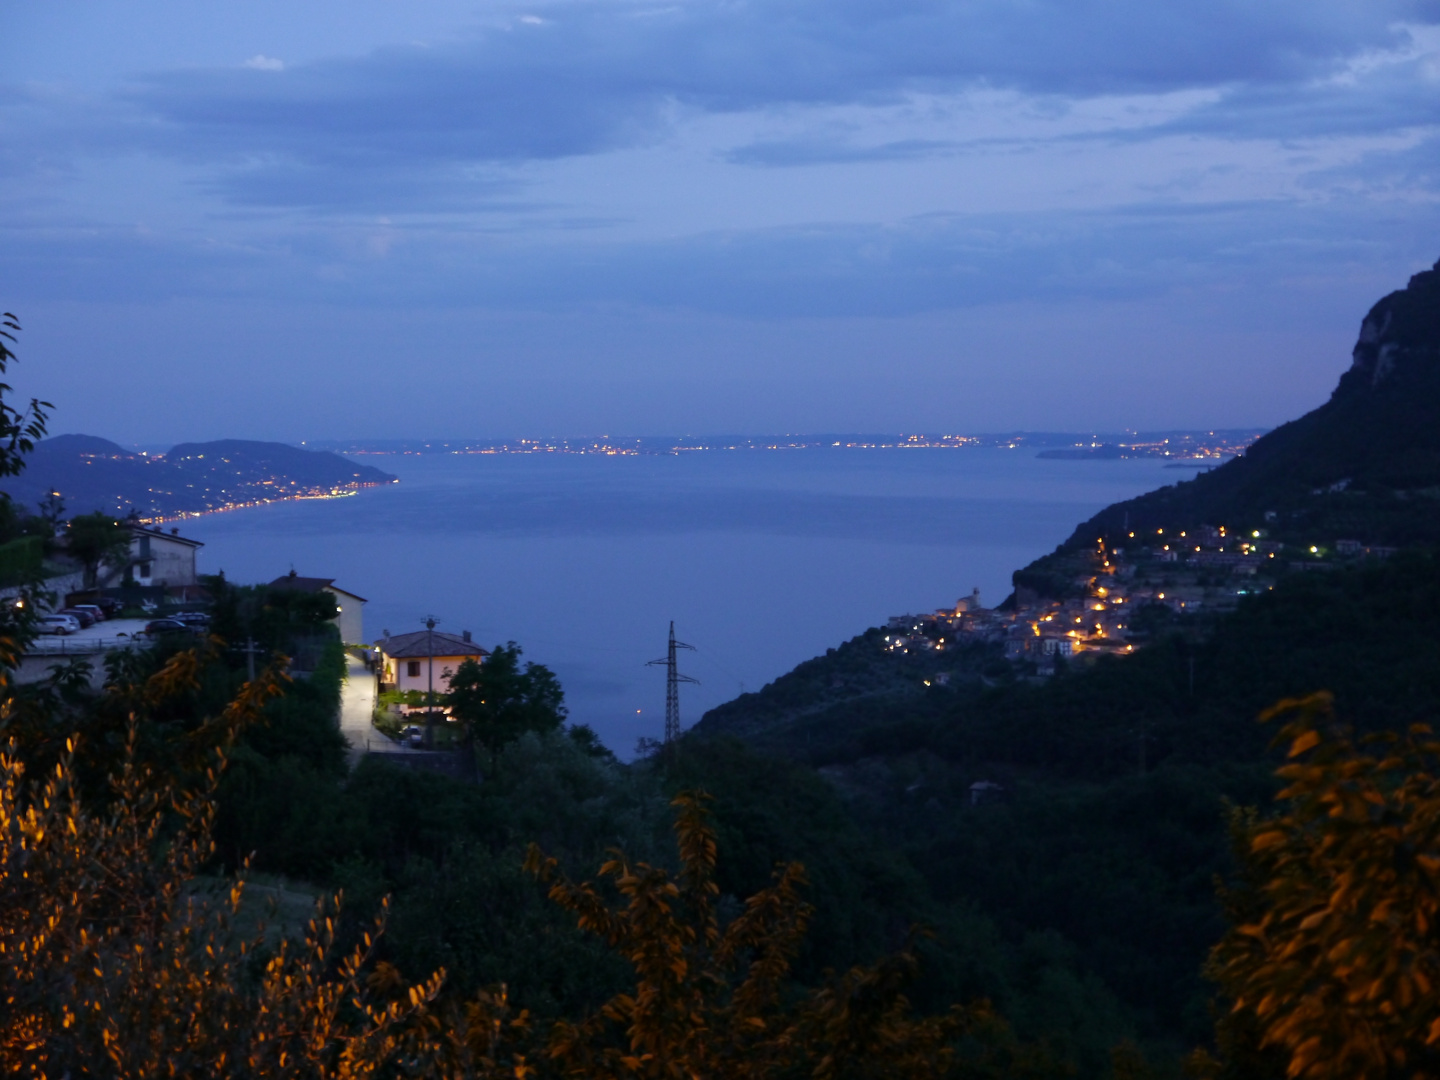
(673, 679)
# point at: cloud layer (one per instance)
(744, 159)
(588, 78)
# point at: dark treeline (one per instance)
(1106, 840)
(450, 855)
(1082, 901)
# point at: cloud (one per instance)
(1384, 97)
(586, 78)
(927, 264)
(446, 188)
(279, 162)
(826, 152)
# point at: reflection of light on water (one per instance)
(307, 495)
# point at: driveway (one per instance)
(357, 706)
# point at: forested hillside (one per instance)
(1364, 465)
(90, 474)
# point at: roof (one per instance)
(161, 534)
(428, 643)
(293, 580)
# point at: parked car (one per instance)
(58, 624)
(414, 735)
(156, 627)
(192, 618)
(84, 618)
(94, 609)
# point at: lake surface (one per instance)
(762, 558)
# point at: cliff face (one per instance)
(1399, 346)
(1364, 464)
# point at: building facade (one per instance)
(424, 660)
(163, 558)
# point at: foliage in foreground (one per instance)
(711, 1000)
(117, 962)
(114, 963)
(1334, 961)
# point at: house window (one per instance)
(412, 668)
(144, 569)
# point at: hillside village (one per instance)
(1107, 600)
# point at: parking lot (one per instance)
(110, 634)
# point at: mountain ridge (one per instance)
(1367, 460)
(92, 473)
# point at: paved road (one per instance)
(357, 706)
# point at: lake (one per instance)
(763, 558)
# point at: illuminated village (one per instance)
(1118, 593)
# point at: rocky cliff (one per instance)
(1364, 464)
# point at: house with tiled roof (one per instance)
(423, 660)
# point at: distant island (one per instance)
(89, 473)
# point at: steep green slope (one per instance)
(1366, 464)
(1109, 828)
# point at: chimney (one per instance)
(465, 634)
(174, 530)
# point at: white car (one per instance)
(58, 624)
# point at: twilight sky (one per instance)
(389, 218)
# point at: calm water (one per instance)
(762, 558)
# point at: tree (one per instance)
(497, 701)
(712, 997)
(119, 963)
(1335, 961)
(97, 540)
(303, 609)
(19, 431)
(19, 428)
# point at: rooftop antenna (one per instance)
(673, 679)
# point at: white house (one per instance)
(423, 660)
(163, 558)
(350, 621)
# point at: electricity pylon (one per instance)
(673, 679)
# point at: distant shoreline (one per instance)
(1212, 444)
(187, 515)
